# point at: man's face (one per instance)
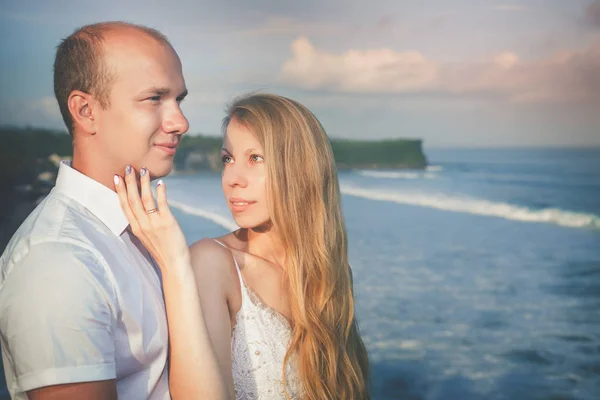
(144, 123)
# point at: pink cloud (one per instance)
(378, 70)
(592, 14)
(509, 7)
(569, 76)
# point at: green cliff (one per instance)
(203, 153)
(24, 153)
(389, 154)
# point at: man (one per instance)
(81, 309)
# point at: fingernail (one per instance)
(143, 172)
(128, 170)
(160, 182)
(116, 179)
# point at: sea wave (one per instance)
(434, 168)
(219, 219)
(480, 207)
(396, 174)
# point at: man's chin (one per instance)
(160, 172)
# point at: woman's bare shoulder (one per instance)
(209, 250)
(212, 260)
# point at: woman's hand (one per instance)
(194, 371)
(155, 227)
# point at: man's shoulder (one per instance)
(55, 248)
(58, 222)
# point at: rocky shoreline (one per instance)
(203, 153)
(29, 160)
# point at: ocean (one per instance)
(477, 278)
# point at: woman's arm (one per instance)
(194, 368)
(218, 283)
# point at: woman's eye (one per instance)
(226, 159)
(256, 158)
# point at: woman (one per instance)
(270, 312)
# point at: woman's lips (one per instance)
(239, 205)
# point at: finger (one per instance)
(161, 198)
(123, 200)
(147, 197)
(133, 197)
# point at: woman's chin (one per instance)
(247, 222)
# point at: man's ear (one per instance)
(83, 107)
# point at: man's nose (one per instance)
(175, 122)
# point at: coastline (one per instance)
(15, 209)
(13, 215)
(16, 205)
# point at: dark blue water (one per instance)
(478, 278)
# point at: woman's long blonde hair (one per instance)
(305, 208)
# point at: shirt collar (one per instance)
(94, 196)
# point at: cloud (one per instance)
(28, 17)
(47, 106)
(509, 7)
(592, 14)
(276, 25)
(385, 23)
(39, 112)
(379, 70)
(569, 76)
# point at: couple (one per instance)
(100, 296)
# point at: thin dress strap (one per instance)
(237, 267)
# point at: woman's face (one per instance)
(244, 176)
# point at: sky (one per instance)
(455, 73)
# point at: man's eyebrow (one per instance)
(163, 91)
(182, 95)
(160, 91)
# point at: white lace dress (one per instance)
(258, 346)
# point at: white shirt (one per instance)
(80, 298)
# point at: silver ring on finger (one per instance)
(151, 211)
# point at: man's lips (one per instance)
(169, 148)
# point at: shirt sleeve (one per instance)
(57, 317)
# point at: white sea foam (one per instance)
(479, 207)
(396, 174)
(225, 222)
(434, 168)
